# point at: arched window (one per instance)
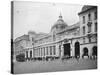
(77, 49)
(94, 50)
(85, 51)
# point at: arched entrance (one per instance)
(85, 52)
(26, 55)
(77, 49)
(94, 51)
(67, 49)
(30, 54)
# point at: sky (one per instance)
(40, 17)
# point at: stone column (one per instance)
(14, 58)
(58, 50)
(41, 52)
(89, 52)
(25, 54)
(62, 50)
(52, 51)
(71, 50)
(49, 51)
(37, 52)
(45, 51)
(32, 53)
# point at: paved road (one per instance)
(51, 66)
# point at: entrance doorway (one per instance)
(67, 49)
(77, 49)
(85, 52)
(94, 51)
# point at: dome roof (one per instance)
(60, 23)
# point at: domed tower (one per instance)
(59, 25)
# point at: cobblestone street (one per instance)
(52, 66)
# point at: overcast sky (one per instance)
(40, 17)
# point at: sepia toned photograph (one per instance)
(51, 37)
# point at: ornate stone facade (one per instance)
(76, 40)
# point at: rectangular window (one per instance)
(32, 39)
(54, 37)
(89, 28)
(96, 27)
(54, 49)
(83, 30)
(89, 17)
(95, 15)
(83, 19)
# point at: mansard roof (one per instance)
(86, 8)
(23, 37)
